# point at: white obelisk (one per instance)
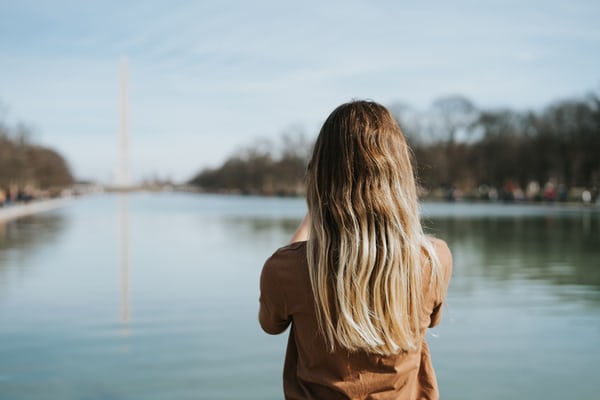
(123, 179)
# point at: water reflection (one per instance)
(560, 250)
(21, 238)
(124, 261)
(281, 227)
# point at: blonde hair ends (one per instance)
(366, 244)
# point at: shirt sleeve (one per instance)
(273, 315)
(445, 257)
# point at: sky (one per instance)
(207, 78)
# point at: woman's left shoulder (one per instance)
(286, 259)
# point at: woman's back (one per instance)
(311, 371)
(365, 283)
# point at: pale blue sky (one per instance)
(208, 77)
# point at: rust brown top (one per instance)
(310, 370)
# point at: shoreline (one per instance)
(15, 211)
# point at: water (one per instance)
(156, 296)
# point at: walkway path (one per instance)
(20, 210)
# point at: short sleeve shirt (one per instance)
(311, 371)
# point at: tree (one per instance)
(25, 164)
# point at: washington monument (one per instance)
(123, 179)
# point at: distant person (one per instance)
(586, 197)
(360, 283)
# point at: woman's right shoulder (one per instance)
(441, 250)
(444, 255)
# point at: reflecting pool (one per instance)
(155, 296)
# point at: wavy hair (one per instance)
(366, 247)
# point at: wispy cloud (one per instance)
(206, 77)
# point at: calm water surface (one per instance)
(156, 296)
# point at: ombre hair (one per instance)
(366, 248)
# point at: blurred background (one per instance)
(152, 156)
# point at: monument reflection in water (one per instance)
(124, 260)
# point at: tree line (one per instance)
(458, 148)
(29, 167)
(266, 167)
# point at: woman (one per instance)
(360, 283)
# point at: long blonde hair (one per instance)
(366, 246)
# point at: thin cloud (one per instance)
(216, 75)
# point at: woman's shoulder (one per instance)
(292, 251)
(441, 250)
(286, 260)
(444, 256)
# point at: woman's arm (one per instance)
(302, 231)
